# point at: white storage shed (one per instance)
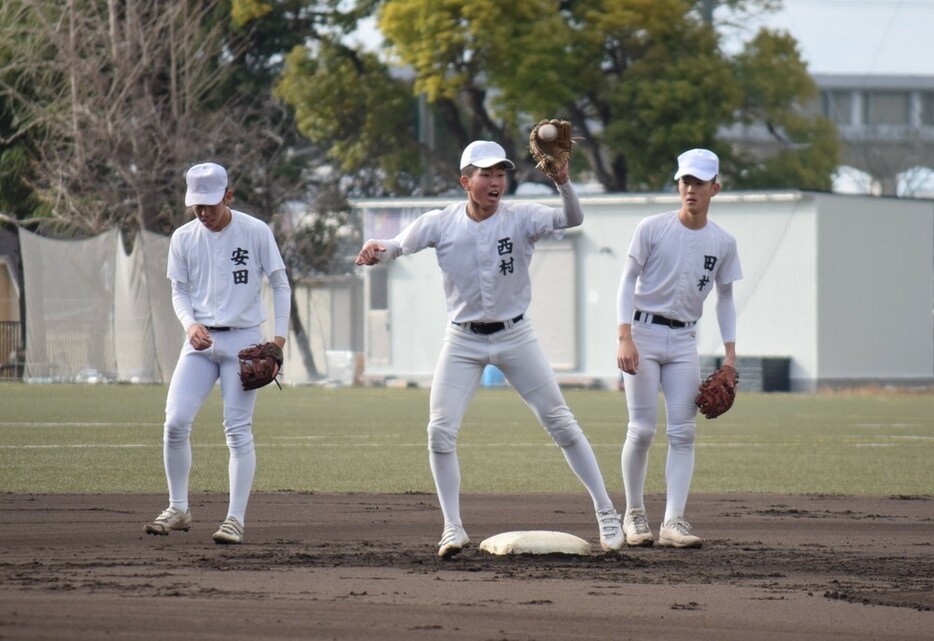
(838, 290)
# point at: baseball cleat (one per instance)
(171, 519)
(611, 534)
(230, 531)
(453, 540)
(636, 528)
(676, 533)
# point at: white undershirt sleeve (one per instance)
(625, 296)
(181, 302)
(570, 214)
(393, 250)
(726, 312)
(281, 301)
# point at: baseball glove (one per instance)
(259, 365)
(717, 393)
(551, 155)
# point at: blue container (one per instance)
(493, 377)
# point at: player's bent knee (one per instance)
(640, 436)
(681, 436)
(239, 440)
(241, 449)
(441, 441)
(565, 435)
(176, 434)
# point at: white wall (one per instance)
(874, 289)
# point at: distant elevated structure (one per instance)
(886, 124)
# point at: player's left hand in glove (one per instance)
(259, 365)
(551, 155)
(718, 392)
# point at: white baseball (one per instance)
(547, 132)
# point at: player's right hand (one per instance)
(369, 255)
(627, 356)
(199, 337)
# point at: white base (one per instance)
(536, 542)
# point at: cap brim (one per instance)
(485, 163)
(212, 198)
(697, 173)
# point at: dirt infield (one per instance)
(355, 566)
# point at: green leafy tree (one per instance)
(641, 80)
(776, 88)
(347, 101)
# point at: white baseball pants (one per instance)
(516, 351)
(195, 376)
(667, 360)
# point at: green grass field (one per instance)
(108, 438)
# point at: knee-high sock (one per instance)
(177, 459)
(581, 458)
(445, 468)
(241, 469)
(679, 468)
(635, 464)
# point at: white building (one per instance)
(839, 289)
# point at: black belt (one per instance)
(661, 320)
(217, 329)
(488, 328)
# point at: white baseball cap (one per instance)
(485, 153)
(207, 184)
(700, 163)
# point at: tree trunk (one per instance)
(302, 342)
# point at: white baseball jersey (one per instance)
(680, 266)
(224, 270)
(484, 265)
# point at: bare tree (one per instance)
(123, 96)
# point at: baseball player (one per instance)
(484, 247)
(216, 265)
(674, 261)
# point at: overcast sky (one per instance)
(861, 36)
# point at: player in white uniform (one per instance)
(674, 262)
(216, 264)
(484, 247)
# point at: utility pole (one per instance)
(426, 136)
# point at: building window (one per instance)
(838, 106)
(886, 108)
(927, 109)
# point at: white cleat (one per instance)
(453, 540)
(611, 533)
(171, 518)
(676, 533)
(230, 532)
(636, 528)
